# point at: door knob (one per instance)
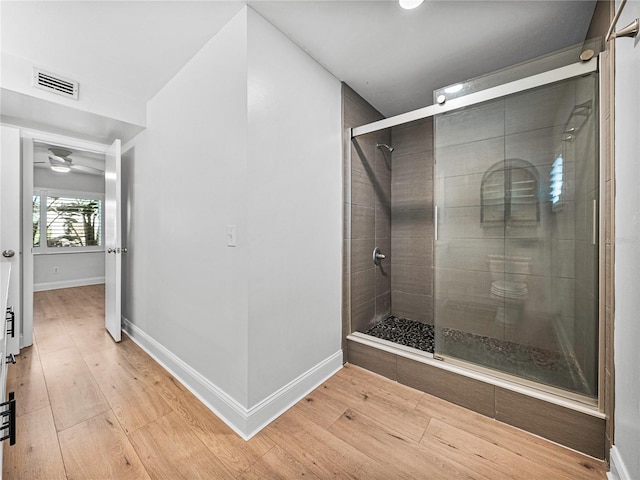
(111, 250)
(8, 253)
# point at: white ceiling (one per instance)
(133, 48)
(393, 58)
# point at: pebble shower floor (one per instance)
(545, 366)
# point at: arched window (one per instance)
(509, 194)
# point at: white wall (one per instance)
(247, 134)
(295, 211)
(626, 452)
(74, 270)
(185, 288)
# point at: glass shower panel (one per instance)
(470, 208)
(370, 210)
(515, 258)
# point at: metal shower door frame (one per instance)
(506, 89)
(534, 81)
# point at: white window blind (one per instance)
(66, 221)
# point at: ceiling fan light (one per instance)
(60, 152)
(410, 4)
(60, 168)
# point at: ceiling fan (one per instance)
(59, 161)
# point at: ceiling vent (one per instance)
(55, 83)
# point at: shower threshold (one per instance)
(547, 370)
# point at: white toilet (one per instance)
(506, 292)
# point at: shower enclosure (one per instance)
(482, 210)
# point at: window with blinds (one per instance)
(69, 221)
(73, 222)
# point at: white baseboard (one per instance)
(263, 413)
(77, 282)
(246, 422)
(618, 469)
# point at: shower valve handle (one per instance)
(378, 256)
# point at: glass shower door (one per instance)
(515, 265)
(470, 229)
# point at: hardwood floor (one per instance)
(89, 408)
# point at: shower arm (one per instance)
(581, 110)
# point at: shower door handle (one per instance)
(594, 234)
(435, 222)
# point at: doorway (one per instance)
(70, 221)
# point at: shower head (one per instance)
(379, 145)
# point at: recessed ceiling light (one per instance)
(410, 4)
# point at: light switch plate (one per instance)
(231, 236)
